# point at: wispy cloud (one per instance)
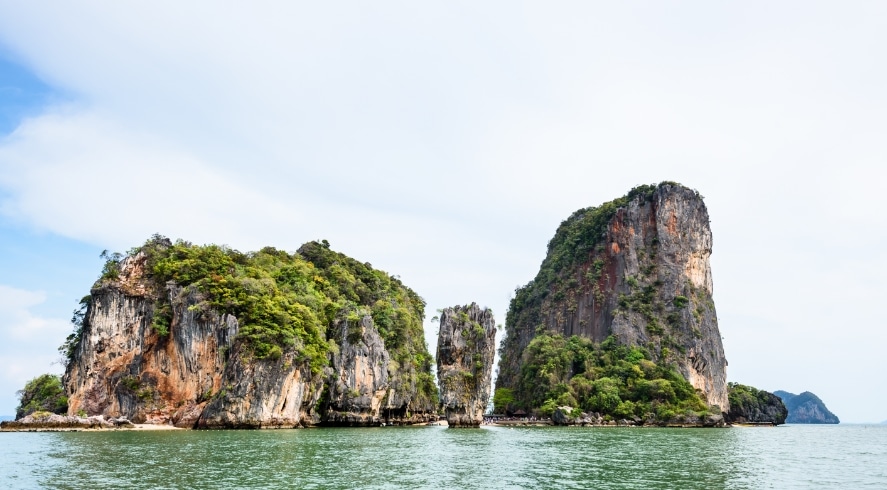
(445, 142)
(23, 352)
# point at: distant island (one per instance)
(806, 408)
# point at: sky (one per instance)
(445, 141)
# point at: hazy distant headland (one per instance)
(806, 408)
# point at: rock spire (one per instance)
(465, 348)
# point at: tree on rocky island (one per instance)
(609, 379)
(42, 394)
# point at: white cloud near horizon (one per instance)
(99, 177)
(22, 353)
(444, 142)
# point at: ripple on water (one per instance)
(437, 457)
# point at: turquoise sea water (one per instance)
(794, 456)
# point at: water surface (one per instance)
(794, 456)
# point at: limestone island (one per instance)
(617, 328)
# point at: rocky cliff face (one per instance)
(636, 268)
(361, 390)
(204, 371)
(806, 408)
(466, 345)
(122, 367)
(256, 394)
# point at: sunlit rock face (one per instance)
(201, 373)
(361, 390)
(123, 367)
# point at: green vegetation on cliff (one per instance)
(751, 405)
(578, 262)
(42, 394)
(620, 269)
(609, 378)
(288, 302)
(573, 244)
(69, 346)
(397, 312)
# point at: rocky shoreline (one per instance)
(563, 416)
(623, 423)
(46, 422)
(37, 427)
(567, 416)
(504, 423)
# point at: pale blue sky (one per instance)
(444, 142)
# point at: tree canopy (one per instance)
(44, 394)
(609, 378)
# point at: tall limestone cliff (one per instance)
(466, 345)
(636, 268)
(205, 336)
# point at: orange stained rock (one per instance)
(672, 224)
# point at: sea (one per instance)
(844, 456)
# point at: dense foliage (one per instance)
(749, 404)
(608, 378)
(43, 393)
(397, 312)
(743, 397)
(275, 296)
(287, 303)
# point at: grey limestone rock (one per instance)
(264, 393)
(362, 390)
(563, 416)
(47, 421)
(466, 345)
